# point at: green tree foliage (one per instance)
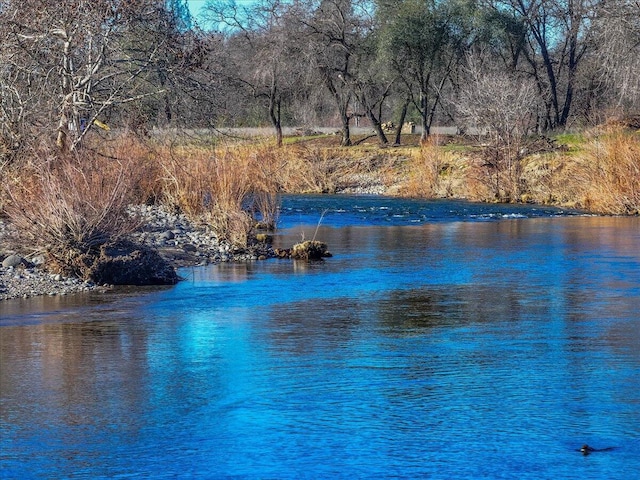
(422, 42)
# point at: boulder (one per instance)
(126, 263)
(13, 261)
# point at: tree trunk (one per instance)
(274, 115)
(424, 117)
(63, 132)
(377, 127)
(551, 75)
(342, 103)
(401, 119)
(346, 134)
(571, 74)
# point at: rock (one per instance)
(188, 247)
(126, 263)
(168, 235)
(264, 238)
(13, 261)
(38, 260)
(282, 252)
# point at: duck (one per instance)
(586, 449)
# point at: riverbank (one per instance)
(177, 239)
(595, 170)
(228, 186)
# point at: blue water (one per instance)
(338, 210)
(442, 340)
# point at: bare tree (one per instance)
(71, 63)
(335, 30)
(266, 42)
(501, 105)
(559, 35)
(618, 53)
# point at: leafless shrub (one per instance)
(72, 205)
(618, 54)
(501, 106)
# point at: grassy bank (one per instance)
(596, 170)
(68, 205)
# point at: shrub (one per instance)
(499, 103)
(226, 187)
(607, 172)
(70, 206)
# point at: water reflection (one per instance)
(413, 344)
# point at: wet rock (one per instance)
(282, 252)
(188, 247)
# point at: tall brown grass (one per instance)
(431, 171)
(607, 172)
(69, 206)
(423, 171)
(228, 187)
(307, 168)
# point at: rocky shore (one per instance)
(178, 240)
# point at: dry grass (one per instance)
(228, 186)
(69, 206)
(212, 186)
(72, 205)
(607, 173)
(307, 168)
(427, 169)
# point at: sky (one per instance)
(195, 6)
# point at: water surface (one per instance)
(443, 340)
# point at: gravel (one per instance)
(177, 239)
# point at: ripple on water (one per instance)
(456, 349)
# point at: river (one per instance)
(442, 340)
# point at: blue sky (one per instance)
(195, 6)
